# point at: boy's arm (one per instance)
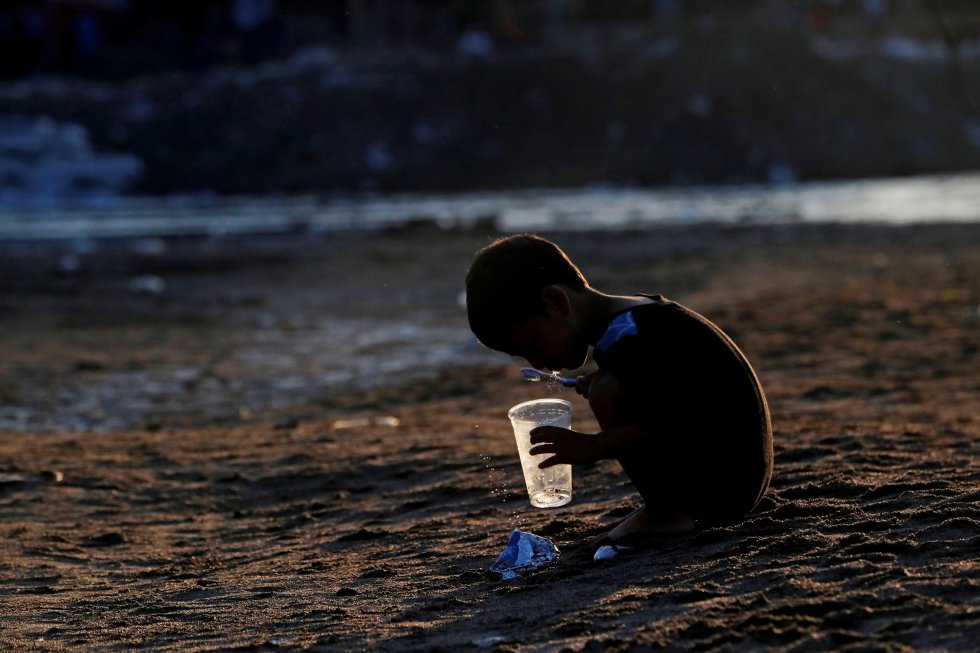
(574, 448)
(605, 395)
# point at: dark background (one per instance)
(303, 96)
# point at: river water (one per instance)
(949, 198)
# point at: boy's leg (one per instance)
(663, 512)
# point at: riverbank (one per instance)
(364, 517)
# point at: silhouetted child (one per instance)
(679, 405)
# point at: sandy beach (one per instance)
(159, 490)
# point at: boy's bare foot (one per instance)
(644, 521)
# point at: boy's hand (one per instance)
(583, 384)
(569, 447)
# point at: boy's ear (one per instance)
(556, 301)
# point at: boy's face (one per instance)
(549, 343)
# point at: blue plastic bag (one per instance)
(524, 552)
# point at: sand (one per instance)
(365, 519)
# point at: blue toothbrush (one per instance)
(532, 374)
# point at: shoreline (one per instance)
(921, 199)
(366, 518)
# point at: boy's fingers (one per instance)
(550, 462)
(543, 448)
(545, 434)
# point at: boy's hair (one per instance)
(503, 285)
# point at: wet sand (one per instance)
(365, 519)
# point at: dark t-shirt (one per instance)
(689, 385)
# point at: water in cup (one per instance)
(551, 487)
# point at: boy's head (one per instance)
(508, 285)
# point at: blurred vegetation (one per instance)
(457, 95)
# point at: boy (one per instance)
(679, 405)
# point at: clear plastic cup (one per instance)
(551, 487)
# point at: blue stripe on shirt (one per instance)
(622, 326)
